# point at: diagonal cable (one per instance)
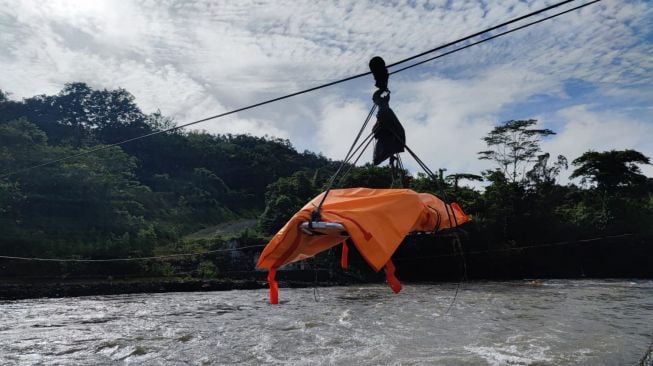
(252, 106)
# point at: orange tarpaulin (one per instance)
(376, 220)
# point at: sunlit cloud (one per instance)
(194, 59)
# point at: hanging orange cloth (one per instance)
(344, 263)
(394, 283)
(376, 221)
(274, 286)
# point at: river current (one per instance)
(555, 322)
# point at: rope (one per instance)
(561, 243)
(347, 158)
(128, 259)
(461, 253)
(349, 154)
(171, 129)
(365, 144)
(430, 173)
(316, 293)
(449, 216)
(457, 245)
(402, 175)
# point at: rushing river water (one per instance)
(588, 322)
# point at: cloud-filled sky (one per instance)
(587, 75)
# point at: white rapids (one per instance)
(553, 322)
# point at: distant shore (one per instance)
(17, 289)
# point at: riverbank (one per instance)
(20, 289)
(16, 289)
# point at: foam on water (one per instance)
(512, 355)
(509, 323)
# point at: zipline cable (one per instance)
(554, 244)
(130, 259)
(481, 32)
(350, 154)
(171, 129)
(492, 37)
(419, 161)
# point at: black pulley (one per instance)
(377, 66)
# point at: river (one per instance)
(555, 322)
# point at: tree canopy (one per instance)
(513, 145)
(149, 195)
(612, 169)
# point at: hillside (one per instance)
(189, 191)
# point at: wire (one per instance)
(262, 245)
(493, 37)
(481, 32)
(348, 157)
(457, 245)
(129, 259)
(519, 248)
(104, 147)
(364, 144)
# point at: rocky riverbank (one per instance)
(15, 289)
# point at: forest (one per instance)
(157, 195)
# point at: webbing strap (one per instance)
(344, 255)
(315, 216)
(393, 282)
(274, 286)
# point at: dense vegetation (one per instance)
(145, 197)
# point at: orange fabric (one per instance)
(274, 286)
(344, 263)
(394, 283)
(377, 220)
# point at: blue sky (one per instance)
(586, 75)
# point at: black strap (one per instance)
(315, 215)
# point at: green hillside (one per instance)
(191, 191)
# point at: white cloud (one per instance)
(586, 129)
(338, 125)
(446, 119)
(195, 59)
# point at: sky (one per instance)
(587, 75)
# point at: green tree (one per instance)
(283, 199)
(83, 205)
(545, 174)
(513, 145)
(369, 176)
(619, 200)
(10, 196)
(81, 116)
(453, 179)
(612, 169)
(206, 195)
(423, 183)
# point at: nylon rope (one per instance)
(347, 158)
